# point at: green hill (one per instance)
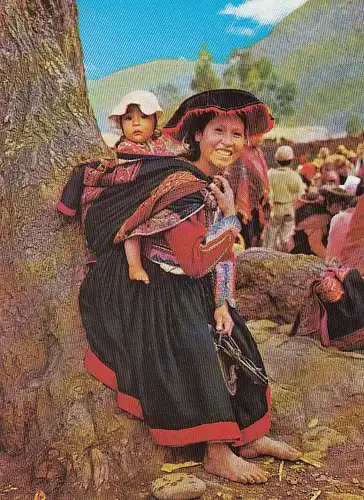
(169, 79)
(320, 47)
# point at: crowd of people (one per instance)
(161, 220)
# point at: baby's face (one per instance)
(137, 126)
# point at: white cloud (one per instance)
(240, 30)
(262, 11)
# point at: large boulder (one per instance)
(317, 392)
(272, 284)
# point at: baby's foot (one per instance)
(138, 274)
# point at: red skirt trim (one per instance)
(218, 431)
(214, 432)
(65, 210)
(259, 429)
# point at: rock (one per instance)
(272, 284)
(178, 486)
(313, 382)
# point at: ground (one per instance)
(341, 477)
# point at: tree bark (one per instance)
(51, 411)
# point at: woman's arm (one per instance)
(196, 256)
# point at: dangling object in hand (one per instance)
(232, 360)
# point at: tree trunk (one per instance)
(53, 415)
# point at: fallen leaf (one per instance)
(310, 461)
(315, 495)
(280, 473)
(172, 467)
(313, 422)
(269, 461)
(297, 467)
(40, 495)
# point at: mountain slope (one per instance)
(320, 47)
(169, 79)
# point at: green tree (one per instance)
(239, 65)
(205, 76)
(256, 75)
(353, 125)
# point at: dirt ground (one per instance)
(341, 477)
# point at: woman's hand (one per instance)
(224, 195)
(223, 320)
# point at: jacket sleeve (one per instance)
(225, 282)
(198, 250)
(71, 195)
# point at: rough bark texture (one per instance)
(54, 416)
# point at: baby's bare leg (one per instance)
(132, 251)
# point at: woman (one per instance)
(333, 307)
(313, 217)
(153, 344)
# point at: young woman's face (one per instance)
(221, 142)
(137, 126)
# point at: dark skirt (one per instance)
(345, 317)
(151, 343)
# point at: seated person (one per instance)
(337, 235)
(334, 306)
(312, 220)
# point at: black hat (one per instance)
(336, 192)
(256, 114)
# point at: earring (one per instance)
(157, 133)
(185, 145)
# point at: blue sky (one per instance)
(120, 33)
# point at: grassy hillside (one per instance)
(320, 47)
(164, 77)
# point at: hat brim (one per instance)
(258, 119)
(337, 191)
(121, 109)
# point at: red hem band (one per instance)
(65, 210)
(352, 340)
(259, 429)
(100, 371)
(217, 431)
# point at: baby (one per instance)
(137, 117)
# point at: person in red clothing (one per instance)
(154, 344)
(253, 163)
(307, 172)
(334, 305)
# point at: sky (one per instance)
(116, 34)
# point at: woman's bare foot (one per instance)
(137, 273)
(268, 446)
(221, 461)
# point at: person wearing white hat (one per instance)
(286, 187)
(137, 116)
(154, 344)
